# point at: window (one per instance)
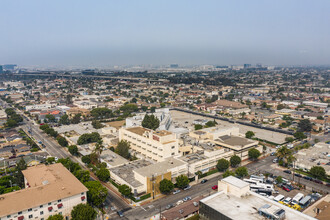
(19, 213)
(173, 147)
(59, 200)
(30, 216)
(82, 193)
(173, 153)
(42, 212)
(49, 203)
(29, 210)
(41, 206)
(42, 219)
(8, 216)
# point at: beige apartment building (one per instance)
(155, 145)
(49, 190)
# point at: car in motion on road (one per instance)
(215, 187)
(176, 191)
(204, 181)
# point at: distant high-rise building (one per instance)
(174, 65)
(259, 65)
(10, 67)
(1, 69)
(247, 66)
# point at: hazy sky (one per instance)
(122, 32)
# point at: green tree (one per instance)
(125, 190)
(83, 212)
(144, 108)
(10, 123)
(211, 124)
(97, 124)
(64, 120)
(123, 149)
(254, 153)
(55, 217)
(50, 118)
(280, 107)
(103, 174)
(289, 139)
(318, 172)
(73, 149)
(86, 159)
(89, 138)
(222, 165)
(235, 161)
(249, 134)
(150, 121)
(101, 113)
(44, 127)
(198, 127)
(228, 173)
(96, 194)
(279, 179)
(166, 186)
(62, 141)
(283, 154)
(50, 160)
(152, 109)
(76, 119)
(182, 181)
(305, 125)
(241, 172)
(129, 108)
(21, 165)
(82, 175)
(299, 135)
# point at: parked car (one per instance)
(318, 181)
(176, 191)
(297, 175)
(204, 181)
(275, 160)
(307, 178)
(187, 198)
(287, 171)
(169, 206)
(328, 184)
(272, 154)
(120, 213)
(187, 187)
(179, 202)
(215, 187)
(286, 188)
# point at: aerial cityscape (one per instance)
(148, 110)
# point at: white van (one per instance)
(279, 198)
(297, 198)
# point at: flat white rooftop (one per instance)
(247, 207)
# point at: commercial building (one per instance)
(234, 200)
(49, 190)
(149, 144)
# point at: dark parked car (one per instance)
(204, 181)
(169, 206)
(328, 184)
(120, 213)
(307, 178)
(318, 181)
(287, 171)
(297, 175)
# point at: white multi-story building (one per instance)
(49, 190)
(155, 145)
(163, 115)
(38, 107)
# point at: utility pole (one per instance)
(160, 212)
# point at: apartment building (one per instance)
(155, 145)
(49, 190)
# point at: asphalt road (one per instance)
(55, 150)
(153, 208)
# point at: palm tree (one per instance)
(284, 154)
(98, 149)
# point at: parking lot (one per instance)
(183, 119)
